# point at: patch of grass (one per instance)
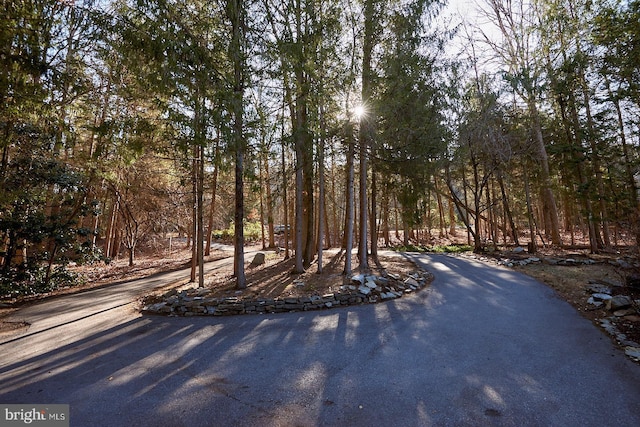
(450, 249)
(252, 232)
(410, 248)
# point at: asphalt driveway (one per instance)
(482, 346)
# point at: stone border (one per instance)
(364, 289)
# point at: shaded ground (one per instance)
(275, 279)
(272, 279)
(481, 346)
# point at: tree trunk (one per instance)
(549, 201)
(305, 248)
(349, 217)
(321, 189)
(595, 241)
(285, 201)
(365, 131)
(466, 204)
(632, 189)
(299, 265)
(200, 234)
(527, 192)
(272, 242)
(261, 203)
(374, 216)
(507, 210)
(214, 187)
(441, 222)
(236, 14)
(385, 217)
(194, 215)
(452, 219)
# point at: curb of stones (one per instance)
(363, 289)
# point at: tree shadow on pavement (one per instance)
(425, 359)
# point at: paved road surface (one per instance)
(482, 346)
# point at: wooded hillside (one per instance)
(320, 123)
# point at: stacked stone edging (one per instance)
(363, 289)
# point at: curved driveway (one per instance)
(482, 346)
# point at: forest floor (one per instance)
(274, 278)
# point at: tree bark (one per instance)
(235, 13)
(321, 190)
(214, 187)
(349, 217)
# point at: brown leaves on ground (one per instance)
(275, 278)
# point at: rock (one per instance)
(387, 295)
(370, 284)
(381, 281)
(411, 282)
(358, 278)
(364, 290)
(160, 307)
(618, 302)
(394, 276)
(624, 341)
(608, 326)
(316, 299)
(170, 293)
(633, 281)
(299, 283)
(633, 352)
(601, 297)
(606, 282)
(622, 263)
(258, 259)
(594, 302)
(624, 312)
(518, 250)
(597, 288)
